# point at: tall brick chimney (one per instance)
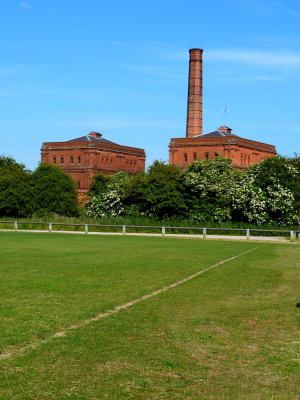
(194, 108)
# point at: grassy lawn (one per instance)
(231, 333)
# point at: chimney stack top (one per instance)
(196, 54)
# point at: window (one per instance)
(61, 160)
(185, 157)
(54, 160)
(206, 156)
(71, 160)
(79, 159)
(195, 156)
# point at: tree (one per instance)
(53, 191)
(15, 189)
(208, 190)
(278, 170)
(269, 192)
(295, 162)
(156, 193)
(9, 162)
(207, 186)
(99, 185)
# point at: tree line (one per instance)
(207, 190)
(46, 190)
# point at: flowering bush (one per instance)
(208, 190)
(265, 193)
(109, 202)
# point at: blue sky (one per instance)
(120, 67)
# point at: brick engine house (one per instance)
(88, 155)
(85, 156)
(196, 145)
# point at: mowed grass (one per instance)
(230, 333)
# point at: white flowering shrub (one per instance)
(109, 203)
(248, 202)
(207, 190)
(265, 194)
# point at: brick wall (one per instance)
(82, 160)
(242, 152)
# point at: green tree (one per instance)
(15, 189)
(279, 170)
(99, 185)
(53, 191)
(295, 162)
(157, 193)
(7, 162)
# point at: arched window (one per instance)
(61, 160)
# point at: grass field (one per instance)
(229, 333)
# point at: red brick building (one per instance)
(183, 151)
(88, 155)
(242, 152)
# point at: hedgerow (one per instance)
(208, 190)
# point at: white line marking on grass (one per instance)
(124, 306)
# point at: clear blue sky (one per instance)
(120, 67)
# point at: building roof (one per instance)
(217, 133)
(93, 140)
(92, 137)
(222, 135)
(223, 131)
